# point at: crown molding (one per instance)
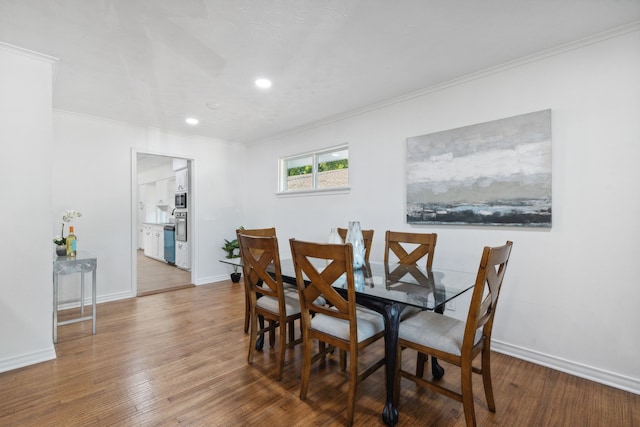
(560, 49)
(55, 62)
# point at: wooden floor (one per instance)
(157, 276)
(179, 358)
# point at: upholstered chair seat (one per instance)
(291, 304)
(443, 334)
(369, 324)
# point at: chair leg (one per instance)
(343, 360)
(486, 379)
(253, 337)
(353, 384)
(281, 351)
(420, 361)
(247, 313)
(260, 340)
(272, 333)
(322, 349)
(292, 331)
(306, 366)
(467, 394)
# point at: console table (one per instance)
(82, 263)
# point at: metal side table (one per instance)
(82, 263)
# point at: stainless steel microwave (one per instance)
(181, 200)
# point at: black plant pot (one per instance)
(235, 277)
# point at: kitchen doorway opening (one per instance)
(162, 260)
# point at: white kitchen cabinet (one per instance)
(154, 241)
(141, 236)
(141, 213)
(162, 199)
(142, 193)
(148, 240)
(147, 202)
(183, 257)
(159, 252)
(182, 181)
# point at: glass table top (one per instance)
(406, 284)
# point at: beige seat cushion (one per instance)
(292, 305)
(369, 324)
(436, 331)
(409, 311)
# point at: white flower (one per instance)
(70, 214)
(67, 216)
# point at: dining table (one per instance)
(389, 289)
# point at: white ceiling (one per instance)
(155, 62)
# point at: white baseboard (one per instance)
(64, 305)
(23, 360)
(115, 297)
(212, 279)
(563, 365)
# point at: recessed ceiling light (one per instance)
(263, 83)
(191, 120)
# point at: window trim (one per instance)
(282, 174)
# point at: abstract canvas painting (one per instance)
(493, 173)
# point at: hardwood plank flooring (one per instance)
(180, 358)
(156, 276)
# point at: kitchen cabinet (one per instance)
(162, 195)
(148, 240)
(182, 181)
(183, 257)
(141, 236)
(159, 250)
(141, 213)
(147, 202)
(154, 241)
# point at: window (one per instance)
(317, 171)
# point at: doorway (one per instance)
(154, 276)
(160, 264)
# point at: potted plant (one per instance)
(232, 248)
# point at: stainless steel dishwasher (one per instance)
(170, 244)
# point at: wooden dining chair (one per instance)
(262, 232)
(267, 298)
(367, 236)
(341, 324)
(459, 342)
(410, 248)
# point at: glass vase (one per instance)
(354, 236)
(334, 237)
(359, 280)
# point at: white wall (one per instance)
(26, 252)
(570, 297)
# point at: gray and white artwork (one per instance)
(493, 173)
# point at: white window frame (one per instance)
(283, 173)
